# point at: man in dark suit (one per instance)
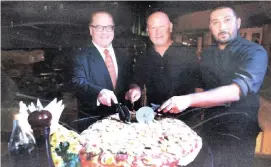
(100, 72)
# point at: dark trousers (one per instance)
(230, 134)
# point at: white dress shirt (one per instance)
(112, 54)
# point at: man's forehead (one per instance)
(158, 19)
(158, 16)
(102, 16)
(221, 13)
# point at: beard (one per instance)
(223, 42)
(230, 37)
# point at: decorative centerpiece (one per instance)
(65, 148)
(62, 145)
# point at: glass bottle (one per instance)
(20, 141)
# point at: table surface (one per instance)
(204, 158)
(40, 160)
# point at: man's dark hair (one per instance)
(223, 7)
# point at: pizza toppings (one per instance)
(167, 141)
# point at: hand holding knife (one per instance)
(124, 113)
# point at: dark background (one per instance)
(60, 28)
(49, 24)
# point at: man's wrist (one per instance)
(190, 98)
(101, 92)
(134, 86)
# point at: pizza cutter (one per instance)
(145, 115)
(124, 113)
(148, 114)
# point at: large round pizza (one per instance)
(166, 142)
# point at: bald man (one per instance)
(167, 68)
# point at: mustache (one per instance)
(223, 32)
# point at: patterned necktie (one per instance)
(111, 68)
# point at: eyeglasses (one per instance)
(101, 28)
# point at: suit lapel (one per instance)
(120, 69)
(99, 66)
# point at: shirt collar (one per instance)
(101, 50)
(171, 45)
(235, 41)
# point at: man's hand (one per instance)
(133, 94)
(176, 104)
(106, 96)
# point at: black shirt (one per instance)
(168, 75)
(241, 62)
